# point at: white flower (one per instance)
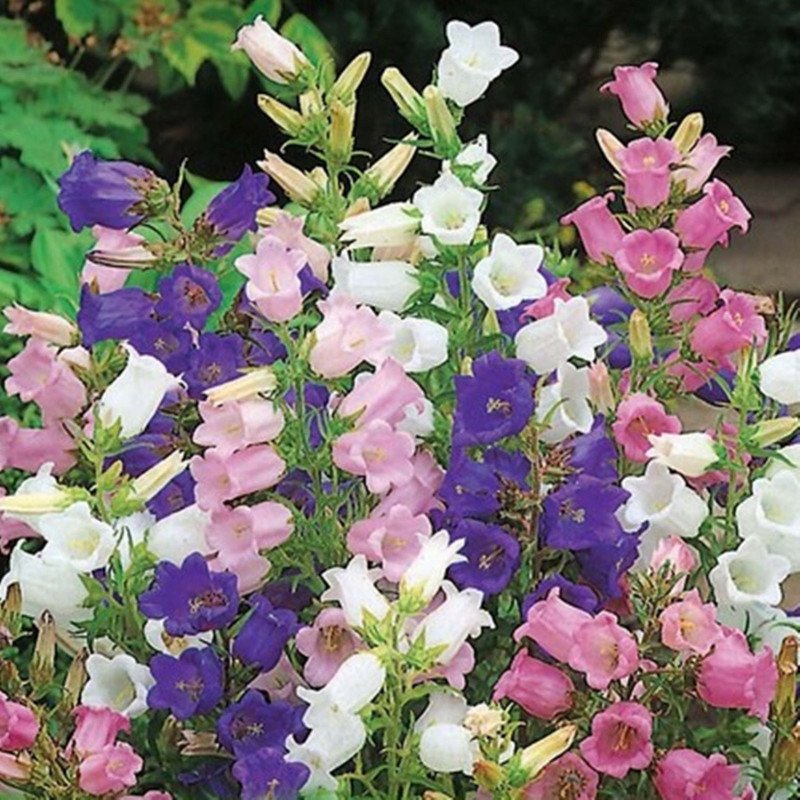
(473, 60)
(663, 501)
(445, 747)
(547, 343)
(779, 377)
(569, 396)
(355, 684)
(790, 453)
(449, 625)
(424, 576)
(382, 284)
(444, 707)
(119, 683)
(450, 211)
(691, 454)
(353, 587)
(772, 514)
(417, 419)
(477, 156)
(135, 395)
(509, 274)
(75, 537)
(272, 54)
(158, 638)
(483, 720)
(391, 225)
(749, 575)
(40, 491)
(174, 537)
(418, 345)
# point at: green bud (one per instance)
(408, 100)
(640, 339)
(441, 123)
(772, 431)
(347, 83)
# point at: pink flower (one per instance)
(600, 231)
(542, 690)
(674, 551)
(29, 448)
(220, 478)
(234, 425)
(567, 777)
(18, 725)
(418, 494)
(733, 326)
(379, 453)
(50, 328)
(281, 682)
(620, 739)
(95, 729)
(685, 774)
(326, 644)
(119, 244)
(638, 417)
(153, 794)
(691, 298)
(690, 626)
(645, 165)
(273, 278)
(15, 768)
(456, 669)
(289, 230)
(698, 165)
(244, 528)
(604, 651)
(545, 306)
(249, 566)
(346, 336)
(109, 770)
(553, 624)
(382, 395)
(641, 99)
(733, 677)
(38, 375)
(647, 260)
(707, 222)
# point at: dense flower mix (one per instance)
(353, 499)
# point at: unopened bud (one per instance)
(386, 171)
(610, 146)
(487, 774)
(151, 482)
(286, 118)
(784, 704)
(436, 796)
(310, 103)
(764, 304)
(360, 206)
(266, 217)
(771, 431)
(688, 132)
(491, 324)
(408, 100)
(347, 83)
(784, 759)
(10, 612)
(44, 653)
(341, 136)
(639, 334)
(600, 391)
(250, 385)
(441, 123)
(35, 503)
(293, 181)
(538, 755)
(75, 680)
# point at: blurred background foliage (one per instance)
(155, 81)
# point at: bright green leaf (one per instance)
(269, 9)
(77, 16)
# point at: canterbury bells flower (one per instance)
(381, 284)
(119, 683)
(477, 157)
(509, 274)
(392, 225)
(272, 54)
(353, 587)
(472, 61)
(135, 395)
(418, 345)
(691, 454)
(425, 574)
(779, 377)
(450, 211)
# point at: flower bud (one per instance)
(286, 118)
(341, 135)
(772, 431)
(293, 181)
(538, 755)
(249, 386)
(408, 100)
(386, 171)
(688, 132)
(310, 103)
(441, 123)
(487, 774)
(611, 147)
(349, 80)
(784, 704)
(140, 256)
(639, 333)
(600, 391)
(784, 760)
(151, 482)
(75, 680)
(491, 324)
(35, 503)
(42, 667)
(268, 216)
(48, 327)
(10, 608)
(360, 206)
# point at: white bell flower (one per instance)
(473, 59)
(451, 212)
(445, 747)
(381, 284)
(390, 225)
(424, 575)
(547, 343)
(509, 274)
(134, 396)
(691, 454)
(417, 419)
(353, 587)
(569, 396)
(75, 537)
(475, 155)
(158, 638)
(444, 707)
(119, 683)
(174, 537)
(418, 345)
(272, 54)
(130, 531)
(779, 377)
(790, 454)
(41, 485)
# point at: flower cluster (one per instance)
(353, 498)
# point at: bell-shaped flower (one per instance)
(475, 157)
(691, 454)
(353, 587)
(393, 225)
(565, 404)
(177, 535)
(450, 211)
(444, 707)
(509, 274)
(74, 536)
(418, 345)
(424, 576)
(272, 54)
(779, 377)
(381, 284)
(445, 747)
(119, 683)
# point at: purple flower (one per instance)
(109, 193)
(190, 598)
(177, 494)
(233, 211)
(573, 593)
(113, 315)
(214, 779)
(288, 593)
(593, 453)
(188, 685)
(217, 359)
(717, 390)
(263, 347)
(264, 634)
(171, 344)
(315, 399)
(189, 294)
(254, 723)
(266, 774)
(608, 306)
(581, 514)
(603, 565)
(494, 402)
(492, 557)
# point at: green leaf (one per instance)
(269, 9)
(77, 16)
(185, 53)
(234, 75)
(203, 190)
(57, 255)
(311, 40)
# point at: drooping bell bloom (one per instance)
(542, 690)
(638, 417)
(96, 727)
(696, 296)
(697, 166)
(266, 771)
(684, 774)
(604, 651)
(689, 625)
(681, 558)
(289, 230)
(109, 770)
(326, 644)
(707, 222)
(50, 328)
(620, 739)
(188, 685)
(567, 777)
(262, 638)
(29, 448)
(272, 54)
(645, 165)
(18, 725)
(600, 231)
(641, 99)
(117, 246)
(189, 294)
(233, 425)
(647, 260)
